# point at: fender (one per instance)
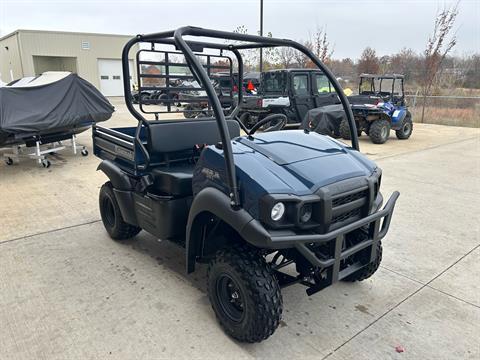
(398, 116)
(210, 200)
(118, 178)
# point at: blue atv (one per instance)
(263, 210)
(380, 107)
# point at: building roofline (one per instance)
(13, 33)
(62, 32)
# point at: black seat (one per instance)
(172, 145)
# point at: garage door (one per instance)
(111, 77)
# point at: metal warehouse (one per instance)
(95, 57)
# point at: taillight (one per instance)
(260, 103)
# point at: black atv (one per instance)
(263, 210)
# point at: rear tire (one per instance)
(407, 128)
(244, 294)
(379, 131)
(111, 215)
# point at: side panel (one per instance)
(397, 117)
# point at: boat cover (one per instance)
(49, 102)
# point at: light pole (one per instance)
(261, 34)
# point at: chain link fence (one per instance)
(446, 110)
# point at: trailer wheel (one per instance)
(370, 269)
(379, 131)
(46, 163)
(112, 219)
(9, 161)
(191, 112)
(84, 152)
(163, 98)
(244, 294)
(406, 130)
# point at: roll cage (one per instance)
(187, 48)
(369, 80)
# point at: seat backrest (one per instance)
(170, 137)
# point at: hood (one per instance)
(296, 162)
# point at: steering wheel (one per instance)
(282, 120)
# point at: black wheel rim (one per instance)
(230, 298)
(108, 212)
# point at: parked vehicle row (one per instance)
(379, 107)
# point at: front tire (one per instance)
(368, 270)
(111, 215)
(406, 130)
(244, 294)
(379, 131)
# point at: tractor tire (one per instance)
(367, 271)
(244, 293)
(379, 131)
(344, 130)
(406, 129)
(111, 215)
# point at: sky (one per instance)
(351, 25)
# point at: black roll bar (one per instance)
(187, 48)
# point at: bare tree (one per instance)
(250, 56)
(405, 62)
(300, 58)
(439, 44)
(285, 56)
(368, 62)
(321, 46)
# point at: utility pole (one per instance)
(261, 34)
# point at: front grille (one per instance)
(348, 208)
(343, 203)
(348, 198)
(345, 216)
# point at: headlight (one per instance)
(306, 213)
(277, 211)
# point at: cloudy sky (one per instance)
(386, 25)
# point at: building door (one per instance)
(43, 64)
(111, 76)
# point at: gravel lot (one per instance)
(68, 292)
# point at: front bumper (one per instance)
(377, 223)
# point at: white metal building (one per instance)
(94, 57)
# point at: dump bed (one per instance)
(119, 145)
